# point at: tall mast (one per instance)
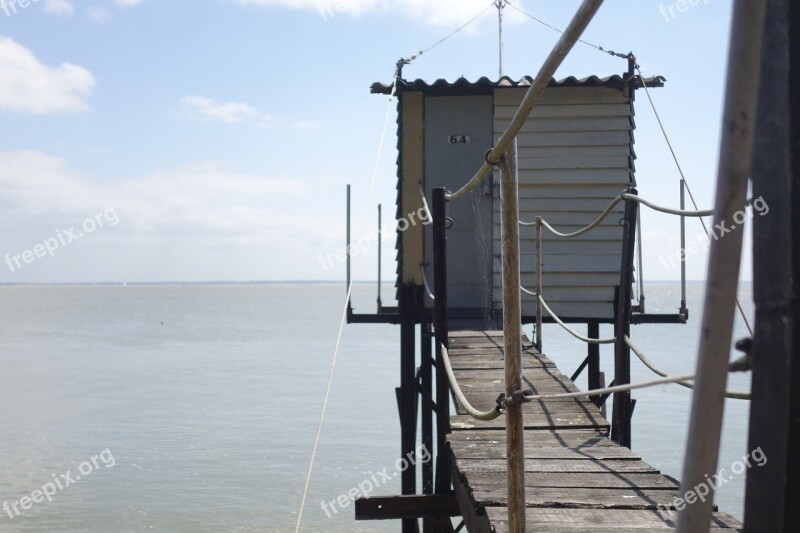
(500, 5)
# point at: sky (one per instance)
(207, 140)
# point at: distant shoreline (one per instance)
(263, 282)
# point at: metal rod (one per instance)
(735, 159)
(347, 249)
(443, 475)
(512, 340)
(621, 421)
(380, 253)
(500, 4)
(539, 309)
(640, 277)
(683, 248)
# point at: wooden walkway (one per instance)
(576, 478)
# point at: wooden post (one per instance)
(426, 384)
(408, 396)
(593, 332)
(733, 170)
(539, 283)
(512, 338)
(621, 421)
(443, 475)
(771, 406)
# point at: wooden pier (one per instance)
(576, 478)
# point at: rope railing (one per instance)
(737, 395)
(425, 201)
(425, 283)
(526, 291)
(607, 211)
(668, 210)
(572, 331)
(557, 55)
(471, 411)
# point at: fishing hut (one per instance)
(546, 232)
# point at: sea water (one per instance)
(195, 407)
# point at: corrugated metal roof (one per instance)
(484, 85)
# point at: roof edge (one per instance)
(484, 85)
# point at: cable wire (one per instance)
(407, 61)
(685, 183)
(543, 23)
(342, 322)
(557, 55)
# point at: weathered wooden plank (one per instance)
(532, 421)
(565, 437)
(475, 468)
(497, 451)
(534, 480)
(576, 498)
(475, 333)
(551, 520)
(485, 400)
(407, 506)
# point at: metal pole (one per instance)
(683, 308)
(441, 330)
(512, 339)
(347, 249)
(735, 158)
(500, 4)
(380, 238)
(639, 263)
(538, 283)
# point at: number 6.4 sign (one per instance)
(458, 139)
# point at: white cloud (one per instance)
(440, 13)
(203, 201)
(99, 14)
(29, 86)
(59, 7)
(230, 112)
(199, 221)
(128, 3)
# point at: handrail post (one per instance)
(538, 283)
(740, 112)
(683, 310)
(512, 339)
(621, 421)
(443, 480)
(380, 254)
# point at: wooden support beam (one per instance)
(407, 507)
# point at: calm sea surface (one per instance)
(199, 404)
